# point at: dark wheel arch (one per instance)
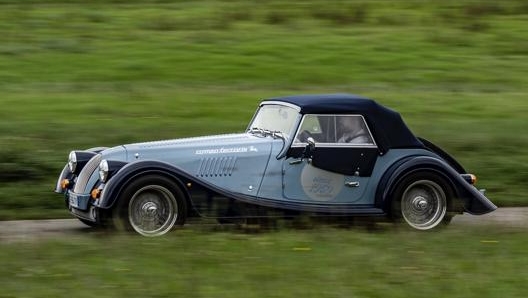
(423, 199)
(446, 156)
(468, 198)
(407, 166)
(132, 171)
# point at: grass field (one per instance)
(77, 74)
(324, 262)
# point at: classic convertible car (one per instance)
(332, 155)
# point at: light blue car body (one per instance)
(269, 170)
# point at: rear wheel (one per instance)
(151, 206)
(421, 200)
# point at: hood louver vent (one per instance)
(216, 167)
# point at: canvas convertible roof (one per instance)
(386, 125)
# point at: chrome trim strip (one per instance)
(335, 145)
(276, 102)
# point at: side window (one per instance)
(334, 129)
(353, 130)
(310, 127)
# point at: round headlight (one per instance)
(103, 170)
(72, 161)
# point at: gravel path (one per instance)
(516, 217)
(11, 231)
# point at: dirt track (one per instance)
(41, 229)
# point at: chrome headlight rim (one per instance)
(72, 161)
(103, 170)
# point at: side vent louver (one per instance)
(216, 167)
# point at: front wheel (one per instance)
(422, 200)
(151, 206)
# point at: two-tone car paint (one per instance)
(267, 169)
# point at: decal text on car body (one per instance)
(226, 150)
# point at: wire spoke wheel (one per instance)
(423, 204)
(150, 205)
(152, 210)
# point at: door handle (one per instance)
(352, 184)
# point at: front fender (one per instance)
(119, 180)
(473, 200)
(65, 174)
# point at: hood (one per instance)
(187, 148)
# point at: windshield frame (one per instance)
(287, 134)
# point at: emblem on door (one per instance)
(320, 185)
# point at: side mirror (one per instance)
(311, 143)
(309, 149)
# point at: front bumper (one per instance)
(80, 205)
(78, 201)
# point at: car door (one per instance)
(339, 167)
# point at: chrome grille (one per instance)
(216, 167)
(86, 173)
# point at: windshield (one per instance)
(275, 118)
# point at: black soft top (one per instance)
(386, 125)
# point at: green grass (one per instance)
(324, 262)
(75, 75)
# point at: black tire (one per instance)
(422, 200)
(150, 206)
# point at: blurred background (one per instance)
(81, 74)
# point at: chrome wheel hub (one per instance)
(420, 203)
(153, 210)
(423, 204)
(149, 209)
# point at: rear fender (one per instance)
(473, 201)
(444, 155)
